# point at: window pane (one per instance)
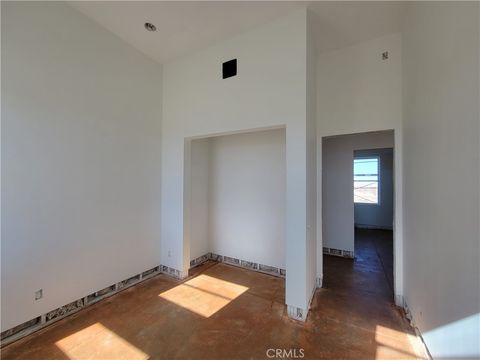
(365, 180)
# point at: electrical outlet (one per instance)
(38, 294)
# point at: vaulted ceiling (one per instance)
(185, 27)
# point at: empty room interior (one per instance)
(240, 180)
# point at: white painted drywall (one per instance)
(311, 86)
(378, 216)
(441, 168)
(247, 204)
(359, 92)
(80, 159)
(338, 207)
(200, 198)
(269, 91)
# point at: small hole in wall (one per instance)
(385, 55)
(229, 68)
(38, 294)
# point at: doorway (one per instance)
(358, 212)
(373, 212)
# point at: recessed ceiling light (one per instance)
(150, 26)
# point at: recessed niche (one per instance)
(237, 204)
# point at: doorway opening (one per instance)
(373, 211)
(358, 213)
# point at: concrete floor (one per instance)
(224, 312)
(374, 254)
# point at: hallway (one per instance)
(374, 253)
(370, 274)
(358, 294)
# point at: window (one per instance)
(365, 180)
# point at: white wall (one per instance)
(200, 176)
(378, 216)
(358, 92)
(441, 167)
(338, 207)
(311, 88)
(269, 91)
(247, 204)
(80, 159)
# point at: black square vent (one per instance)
(229, 68)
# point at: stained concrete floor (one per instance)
(224, 312)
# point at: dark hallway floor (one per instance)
(374, 254)
(225, 312)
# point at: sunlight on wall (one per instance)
(98, 342)
(391, 344)
(204, 295)
(459, 339)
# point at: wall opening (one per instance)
(358, 209)
(237, 199)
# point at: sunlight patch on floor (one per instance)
(98, 342)
(204, 295)
(392, 344)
